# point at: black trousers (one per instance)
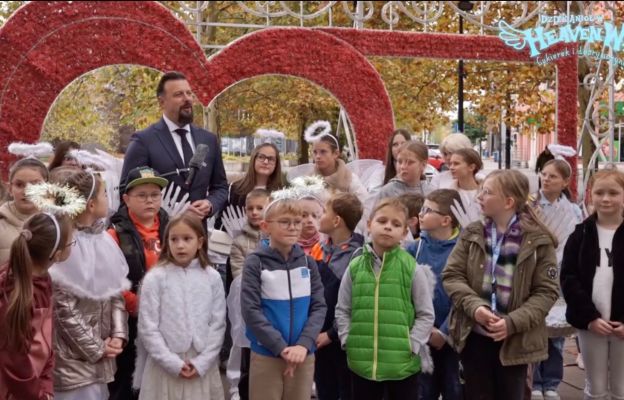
(485, 377)
(331, 373)
(243, 383)
(405, 389)
(121, 387)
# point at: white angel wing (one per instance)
(300, 170)
(511, 36)
(561, 219)
(467, 213)
(110, 167)
(172, 202)
(234, 219)
(370, 172)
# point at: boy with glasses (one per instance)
(138, 228)
(439, 233)
(283, 306)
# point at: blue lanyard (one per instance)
(496, 250)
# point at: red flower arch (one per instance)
(46, 45)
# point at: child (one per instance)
(26, 356)
(182, 318)
(555, 178)
(244, 244)
(413, 202)
(592, 282)
(283, 307)
(497, 321)
(342, 213)
(328, 164)
(138, 228)
(13, 213)
(312, 211)
(90, 324)
(384, 312)
(411, 164)
(440, 231)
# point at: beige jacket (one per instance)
(11, 223)
(243, 245)
(81, 326)
(535, 288)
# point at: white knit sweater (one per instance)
(179, 308)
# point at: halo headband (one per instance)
(58, 234)
(317, 131)
(92, 185)
(561, 151)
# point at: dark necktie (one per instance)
(186, 146)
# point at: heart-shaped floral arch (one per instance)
(47, 45)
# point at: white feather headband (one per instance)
(269, 133)
(303, 187)
(41, 149)
(85, 157)
(561, 150)
(317, 131)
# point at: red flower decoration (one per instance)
(46, 45)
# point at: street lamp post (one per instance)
(464, 6)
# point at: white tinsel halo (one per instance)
(41, 149)
(308, 186)
(316, 131)
(55, 199)
(269, 133)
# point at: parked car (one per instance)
(435, 159)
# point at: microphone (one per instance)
(195, 163)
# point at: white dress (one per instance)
(181, 317)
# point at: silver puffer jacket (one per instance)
(80, 328)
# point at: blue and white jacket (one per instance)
(435, 253)
(282, 301)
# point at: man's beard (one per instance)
(185, 117)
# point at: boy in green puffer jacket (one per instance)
(385, 311)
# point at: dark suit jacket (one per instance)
(154, 147)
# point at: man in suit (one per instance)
(169, 144)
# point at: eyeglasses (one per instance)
(286, 223)
(427, 210)
(145, 196)
(264, 158)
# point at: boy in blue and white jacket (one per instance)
(283, 305)
(440, 231)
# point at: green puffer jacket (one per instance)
(535, 288)
(379, 346)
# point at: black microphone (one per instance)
(196, 162)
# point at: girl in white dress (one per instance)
(181, 319)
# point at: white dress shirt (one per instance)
(176, 138)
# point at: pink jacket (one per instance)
(28, 375)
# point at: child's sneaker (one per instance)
(537, 395)
(551, 395)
